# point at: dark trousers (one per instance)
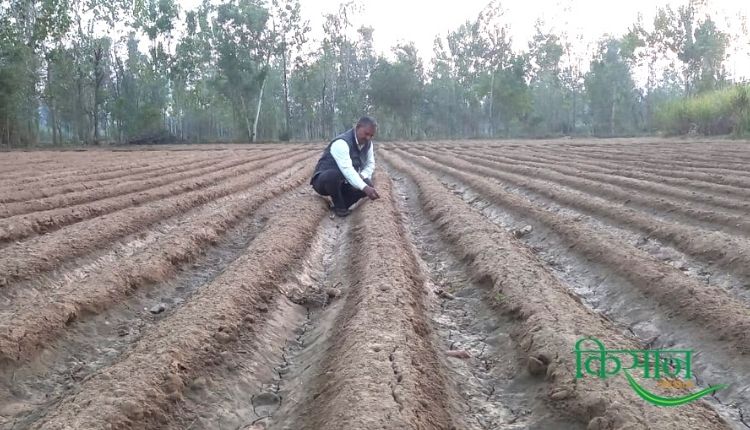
(331, 182)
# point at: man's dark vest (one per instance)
(359, 158)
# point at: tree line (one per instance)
(89, 71)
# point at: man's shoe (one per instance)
(341, 212)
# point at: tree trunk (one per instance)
(247, 118)
(98, 81)
(334, 89)
(51, 105)
(53, 120)
(322, 109)
(612, 115)
(80, 111)
(490, 125)
(286, 99)
(573, 125)
(254, 136)
(96, 125)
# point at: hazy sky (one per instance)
(421, 20)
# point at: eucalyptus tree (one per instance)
(495, 57)
(27, 31)
(611, 91)
(691, 34)
(291, 35)
(549, 111)
(244, 54)
(396, 92)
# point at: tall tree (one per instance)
(291, 35)
(698, 44)
(396, 90)
(494, 53)
(611, 90)
(545, 54)
(244, 58)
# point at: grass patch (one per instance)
(721, 112)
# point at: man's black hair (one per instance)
(367, 121)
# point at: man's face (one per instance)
(365, 133)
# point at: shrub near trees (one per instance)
(246, 70)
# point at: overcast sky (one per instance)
(420, 21)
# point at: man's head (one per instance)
(365, 129)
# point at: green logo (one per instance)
(663, 365)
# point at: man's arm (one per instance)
(370, 163)
(340, 153)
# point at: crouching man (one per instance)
(344, 172)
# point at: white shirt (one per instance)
(340, 153)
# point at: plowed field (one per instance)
(210, 288)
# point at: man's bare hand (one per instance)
(371, 192)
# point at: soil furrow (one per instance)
(685, 153)
(41, 199)
(271, 368)
(717, 311)
(727, 178)
(663, 159)
(710, 178)
(658, 250)
(382, 370)
(23, 226)
(71, 183)
(208, 287)
(61, 180)
(93, 343)
(701, 150)
(549, 319)
(693, 151)
(24, 260)
(59, 161)
(721, 250)
(604, 290)
(496, 390)
(30, 323)
(653, 175)
(658, 163)
(599, 267)
(691, 204)
(141, 389)
(682, 205)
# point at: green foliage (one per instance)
(718, 112)
(548, 97)
(611, 91)
(696, 41)
(511, 97)
(90, 71)
(396, 90)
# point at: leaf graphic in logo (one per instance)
(670, 401)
